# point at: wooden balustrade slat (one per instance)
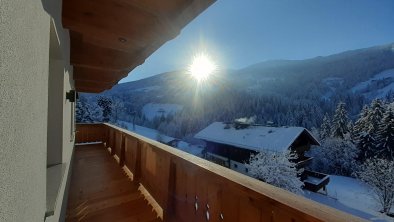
(90, 132)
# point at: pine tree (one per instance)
(362, 136)
(325, 129)
(375, 117)
(340, 122)
(106, 105)
(79, 111)
(385, 135)
(334, 156)
(350, 135)
(370, 125)
(96, 113)
(366, 146)
(370, 131)
(82, 112)
(361, 124)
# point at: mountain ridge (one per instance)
(286, 92)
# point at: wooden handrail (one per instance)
(189, 188)
(90, 132)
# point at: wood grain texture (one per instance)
(191, 189)
(115, 36)
(97, 75)
(101, 191)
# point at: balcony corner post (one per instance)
(107, 129)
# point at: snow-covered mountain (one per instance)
(287, 92)
(152, 110)
(350, 67)
(378, 86)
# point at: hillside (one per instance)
(287, 92)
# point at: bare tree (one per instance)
(379, 174)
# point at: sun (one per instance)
(202, 67)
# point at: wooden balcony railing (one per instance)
(188, 188)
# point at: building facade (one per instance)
(231, 145)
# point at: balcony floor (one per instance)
(101, 191)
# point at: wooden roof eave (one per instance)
(109, 38)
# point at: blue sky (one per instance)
(238, 33)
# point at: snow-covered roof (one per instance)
(256, 138)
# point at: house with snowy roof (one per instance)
(232, 144)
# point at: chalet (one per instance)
(232, 144)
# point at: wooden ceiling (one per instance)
(109, 38)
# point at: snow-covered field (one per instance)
(379, 92)
(151, 110)
(147, 89)
(146, 132)
(153, 134)
(385, 74)
(352, 196)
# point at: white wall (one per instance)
(61, 131)
(24, 52)
(55, 110)
(25, 46)
(61, 49)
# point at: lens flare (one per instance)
(202, 67)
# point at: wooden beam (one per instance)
(109, 38)
(89, 84)
(98, 75)
(92, 56)
(192, 11)
(165, 11)
(110, 20)
(168, 9)
(112, 41)
(89, 89)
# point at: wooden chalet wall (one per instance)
(231, 152)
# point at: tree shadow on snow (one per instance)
(340, 206)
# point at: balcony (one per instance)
(148, 181)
